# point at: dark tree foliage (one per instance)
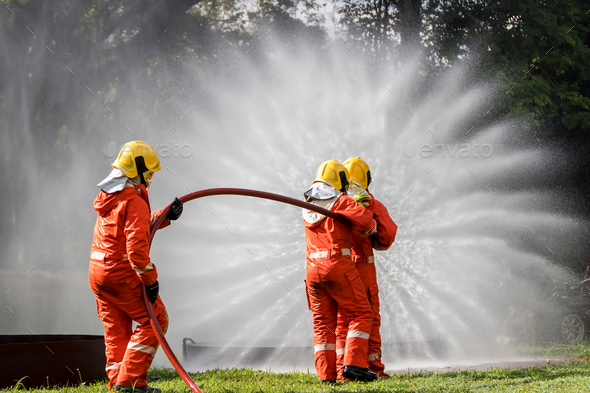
(75, 71)
(536, 53)
(68, 67)
(410, 25)
(381, 27)
(537, 50)
(371, 28)
(61, 64)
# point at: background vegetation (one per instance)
(68, 66)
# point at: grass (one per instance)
(581, 351)
(571, 376)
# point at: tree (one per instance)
(538, 51)
(60, 56)
(410, 25)
(74, 72)
(370, 26)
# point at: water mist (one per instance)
(478, 231)
(470, 244)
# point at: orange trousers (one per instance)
(369, 278)
(335, 286)
(119, 303)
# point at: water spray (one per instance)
(200, 194)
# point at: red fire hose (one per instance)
(199, 194)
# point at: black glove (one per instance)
(175, 210)
(152, 291)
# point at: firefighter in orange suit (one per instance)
(332, 282)
(362, 255)
(120, 264)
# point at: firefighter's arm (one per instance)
(137, 234)
(385, 236)
(360, 217)
(164, 222)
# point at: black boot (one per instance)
(359, 374)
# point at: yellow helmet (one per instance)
(137, 158)
(360, 174)
(334, 174)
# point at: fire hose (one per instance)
(200, 194)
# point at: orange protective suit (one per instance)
(333, 284)
(119, 263)
(362, 255)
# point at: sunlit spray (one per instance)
(477, 231)
(470, 243)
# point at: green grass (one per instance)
(566, 376)
(569, 377)
(581, 351)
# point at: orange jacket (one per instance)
(330, 237)
(362, 247)
(121, 235)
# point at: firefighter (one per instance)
(332, 282)
(362, 256)
(120, 264)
